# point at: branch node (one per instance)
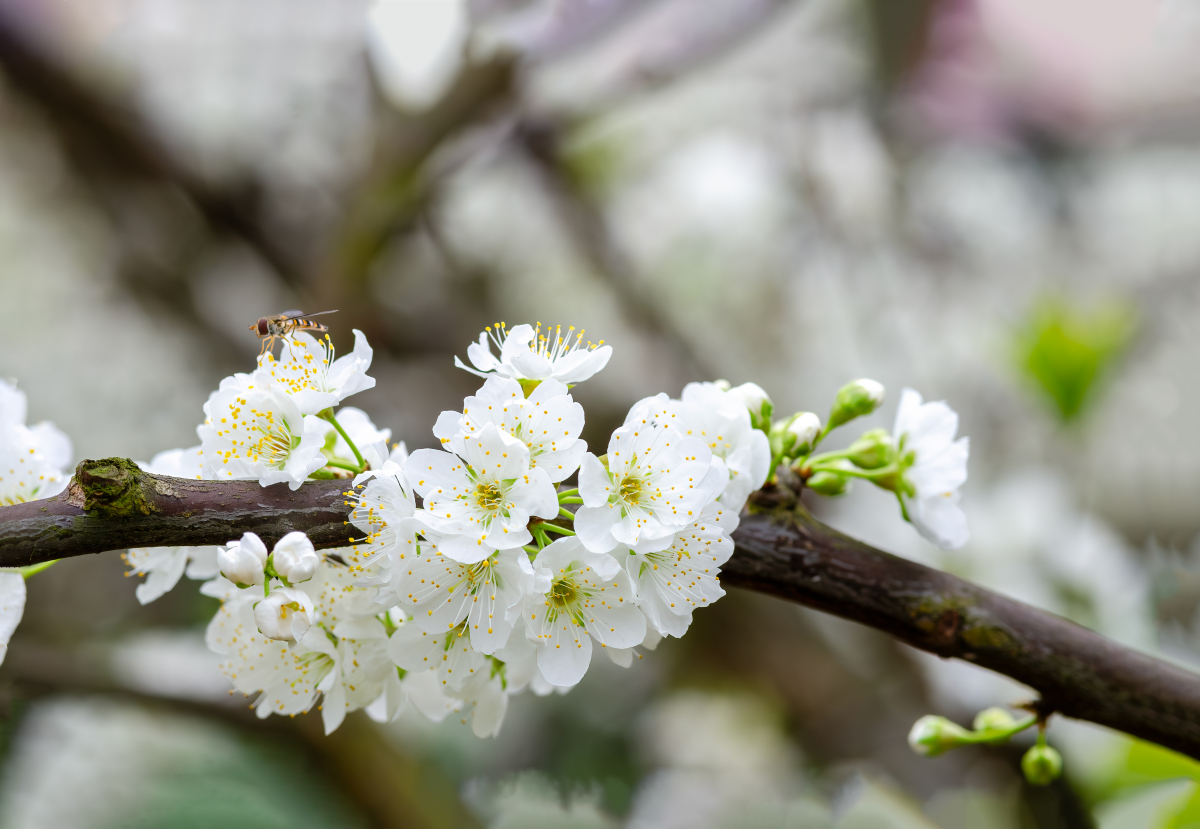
(112, 488)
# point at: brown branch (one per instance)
(781, 550)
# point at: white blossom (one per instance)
(285, 614)
(935, 466)
(448, 652)
(482, 501)
(485, 695)
(294, 558)
(360, 670)
(528, 354)
(33, 459)
(164, 566)
(548, 422)
(718, 418)
(243, 561)
(315, 381)
(12, 607)
(441, 593)
(751, 396)
(381, 501)
(671, 583)
(343, 655)
(254, 430)
(656, 481)
(590, 597)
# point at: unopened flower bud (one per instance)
(243, 561)
(994, 719)
(828, 483)
(794, 436)
(294, 558)
(1042, 765)
(752, 396)
(874, 450)
(932, 735)
(855, 400)
(286, 614)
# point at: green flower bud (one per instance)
(932, 735)
(855, 400)
(794, 436)
(1042, 765)
(874, 450)
(756, 401)
(994, 719)
(828, 483)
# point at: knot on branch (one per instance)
(112, 488)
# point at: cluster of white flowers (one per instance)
(33, 464)
(502, 577)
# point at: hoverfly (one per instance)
(280, 326)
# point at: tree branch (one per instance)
(781, 550)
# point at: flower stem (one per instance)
(555, 528)
(322, 475)
(1000, 735)
(34, 569)
(338, 463)
(566, 513)
(328, 415)
(570, 500)
(857, 473)
(567, 493)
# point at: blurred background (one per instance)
(996, 202)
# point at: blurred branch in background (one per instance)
(781, 550)
(587, 227)
(390, 788)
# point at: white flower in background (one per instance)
(590, 597)
(244, 561)
(486, 696)
(254, 430)
(449, 653)
(656, 482)
(481, 502)
(360, 670)
(416, 47)
(286, 614)
(178, 463)
(307, 371)
(12, 607)
(294, 558)
(722, 421)
(284, 679)
(346, 641)
(548, 422)
(528, 354)
(381, 501)
(671, 583)
(33, 459)
(164, 566)
(934, 467)
(441, 593)
(752, 396)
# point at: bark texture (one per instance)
(781, 550)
